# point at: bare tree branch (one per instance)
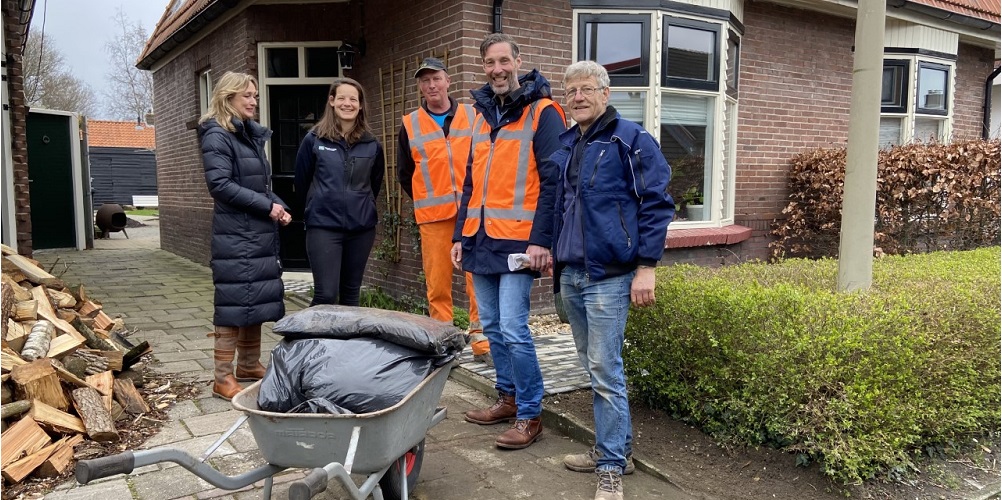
(129, 94)
(47, 81)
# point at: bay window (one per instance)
(915, 97)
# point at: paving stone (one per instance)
(117, 489)
(214, 423)
(169, 484)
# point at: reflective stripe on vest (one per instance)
(437, 190)
(506, 182)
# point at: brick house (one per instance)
(16, 211)
(732, 89)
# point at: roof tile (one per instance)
(112, 134)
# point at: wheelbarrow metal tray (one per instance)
(315, 440)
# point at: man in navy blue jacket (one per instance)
(612, 215)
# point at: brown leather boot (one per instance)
(503, 410)
(521, 435)
(225, 385)
(249, 365)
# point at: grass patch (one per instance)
(144, 211)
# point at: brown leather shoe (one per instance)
(521, 435)
(245, 375)
(227, 388)
(503, 410)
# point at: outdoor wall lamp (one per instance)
(347, 52)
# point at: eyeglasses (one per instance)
(585, 91)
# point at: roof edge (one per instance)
(186, 32)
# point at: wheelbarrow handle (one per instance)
(89, 470)
(311, 485)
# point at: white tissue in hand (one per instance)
(518, 261)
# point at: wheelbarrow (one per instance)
(387, 446)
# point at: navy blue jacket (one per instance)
(340, 183)
(622, 197)
(481, 253)
(246, 269)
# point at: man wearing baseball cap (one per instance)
(434, 148)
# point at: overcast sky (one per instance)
(79, 29)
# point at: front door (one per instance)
(50, 178)
(292, 111)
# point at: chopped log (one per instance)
(24, 437)
(93, 340)
(67, 315)
(104, 383)
(125, 392)
(6, 304)
(68, 377)
(38, 380)
(6, 250)
(97, 419)
(112, 358)
(81, 295)
(20, 469)
(26, 310)
(37, 344)
(9, 359)
(30, 269)
(132, 357)
(95, 362)
(6, 395)
(103, 321)
(89, 309)
(16, 335)
(54, 420)
(62, 345)
(14, 409)
(46, 311)
(62, 299)
(19, 292)
(62, 459)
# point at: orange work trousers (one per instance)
(436, 243)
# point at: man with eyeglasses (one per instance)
(613, 210)
(507, 209)
(434, 145)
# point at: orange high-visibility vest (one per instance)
(437, 189)
(505, 179)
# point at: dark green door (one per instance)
(292, 111)
(50, 174)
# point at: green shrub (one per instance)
(771, 354)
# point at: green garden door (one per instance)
(50, 178)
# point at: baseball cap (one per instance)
(432, 63)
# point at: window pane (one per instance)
(686, 129)
(892, 86)
(890, 131)
(631, 105)
(321, 62)
(689, 53)
(617, 46)
(732, 63)
(928, 130)
(283, 62)
(932, 87)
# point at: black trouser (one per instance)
(338, 261)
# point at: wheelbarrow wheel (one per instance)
(391, 484)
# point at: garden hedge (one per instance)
(772, 354)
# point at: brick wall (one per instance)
(974, 64)
(12, 31)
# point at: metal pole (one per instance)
(855, 264)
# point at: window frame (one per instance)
(205, 86)
(904, 66)
(926, 64)
(910, 113)
(645, 47)
(677, 82)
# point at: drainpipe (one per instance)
(497, 16)
(986, 108)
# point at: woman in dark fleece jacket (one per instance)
(339, 170)
(246, 270)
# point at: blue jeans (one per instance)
(597, 312)
(504, 313)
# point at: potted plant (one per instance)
(692, 201)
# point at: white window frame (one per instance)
(266, 82)
(721, 201)
(204, 91)
(912, 111)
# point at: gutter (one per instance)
(186, 32)
(986, 107)
(953, 17)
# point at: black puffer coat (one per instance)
(246, 269)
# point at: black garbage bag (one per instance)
(341, 376)
(345, 322)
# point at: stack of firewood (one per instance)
(61, 371)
